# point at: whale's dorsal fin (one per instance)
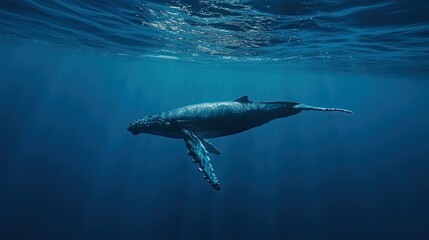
(200, 157)
(209, 147)
(242, 99)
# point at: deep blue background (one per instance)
(70, 170)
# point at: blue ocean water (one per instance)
(74, 74)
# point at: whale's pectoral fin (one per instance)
(201, 157)
(209, 147)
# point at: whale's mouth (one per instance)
(147, 124)
(132, 130)
(136, 127)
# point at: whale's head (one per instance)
(149, 124)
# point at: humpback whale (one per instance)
(195, 123)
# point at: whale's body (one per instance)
(196, 122)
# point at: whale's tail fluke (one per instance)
(307, 107)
